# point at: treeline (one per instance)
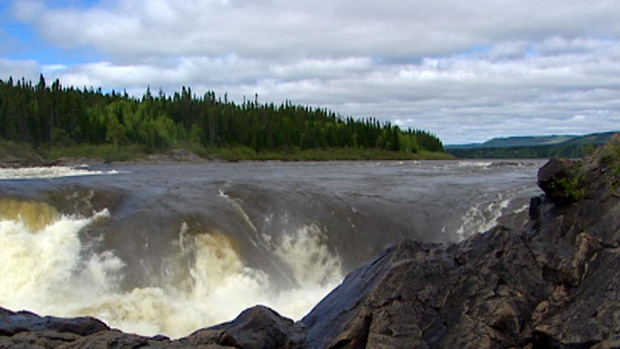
(43, 115)
(533, 152)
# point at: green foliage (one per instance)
(570, 189)
(536, 152)
(43, 115)
(61, 137)
(534, 147)
(241, 153)
(610, 156)
(9, 149)
(115, 132)
(106, 152)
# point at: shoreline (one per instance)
(184, 156)
(509, 287)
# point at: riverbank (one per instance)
(550, 284)
(23, 155)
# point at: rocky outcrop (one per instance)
(477, 295)
(28, 330)
(552, 284)
(256, 328)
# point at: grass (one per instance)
(12, 152)
(610, 155)
(24, 153)
(571, 189)
(328, 154)
(107, 152)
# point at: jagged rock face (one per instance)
(553, 284)
(478, 294)
(577, 245)
(555, 179)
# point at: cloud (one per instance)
(28, 69)
(292, 28)
(465, 71)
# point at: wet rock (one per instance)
(553, 284)
(38, 339)
(114, 339)
(15, 322)
(28, 330)
(258, 327)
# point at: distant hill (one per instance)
(531, 147)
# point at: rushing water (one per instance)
(172, 248)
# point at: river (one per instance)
(168, 249)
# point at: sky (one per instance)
(466, 71)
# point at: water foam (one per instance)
(483, 215)
(45, 268)
(475, 164)
(50, 172)
(41, 265)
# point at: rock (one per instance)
(552, 284)
(38, 339)
(15, 322)
(258, 327)
(560, 180)
(115, 339)
(478, 294)
(28, 330)
(211, 337)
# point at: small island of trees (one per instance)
(53, 118)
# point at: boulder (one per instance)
(28, 330)
(560, 180)
(477, 294)
(256, 328)
(12, 323)
(551, 284)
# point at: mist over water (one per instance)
(169, 249)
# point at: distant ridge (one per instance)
(531, 146)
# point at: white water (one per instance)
(49, 172)
(487, 211)
(483, 215)
(45, 268)
(47, 264)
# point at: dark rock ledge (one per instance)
(553, 284)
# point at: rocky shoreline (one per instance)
(174, 156)
(551, 284)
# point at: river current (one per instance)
(169, 249)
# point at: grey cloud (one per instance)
(286, 28)
(29, 69)
(465, 71)
(445, 95)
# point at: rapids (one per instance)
(168, 249)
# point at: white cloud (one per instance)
(466, 71)
(29, 69)
(394, 28)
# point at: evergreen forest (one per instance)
(45, 116)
